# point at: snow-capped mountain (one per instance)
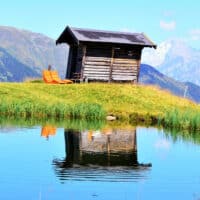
(175, 59)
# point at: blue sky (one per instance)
(159, 19)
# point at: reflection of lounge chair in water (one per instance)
(90, 136)
(47, 131)
(107, 131)
(53, 78)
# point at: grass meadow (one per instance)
(94, 101)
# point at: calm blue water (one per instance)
(86, 164)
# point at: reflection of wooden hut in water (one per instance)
(113, 148)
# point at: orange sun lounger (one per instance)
(46, 75)
(53, 78)
(56, 78)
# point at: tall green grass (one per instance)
(27, 109)
(128, 102)
(182, 119)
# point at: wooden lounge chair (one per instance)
(52, 77)
(55, 77)
(46, 75)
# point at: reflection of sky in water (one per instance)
(26, 169)
(162, 144)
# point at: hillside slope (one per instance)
(128, 102)
(117, 99)
(33, 49)
(150, 76)
(11, 70)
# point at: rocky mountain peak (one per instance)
(33, 49)
(175, 58)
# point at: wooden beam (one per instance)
(125, 65)
(124, 78)
(125, 61)
(95, 77)
(96, 70)
(83, 60)
(96, 59)
(97, 63)
(124, 73)
(111, 63)
(138, 70)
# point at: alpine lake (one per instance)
(97, 160)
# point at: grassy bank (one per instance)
(95, 101)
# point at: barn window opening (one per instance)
(130, 53)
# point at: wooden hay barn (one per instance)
(96, 55)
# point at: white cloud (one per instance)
(156, 57)
(195, 34)
(163, 144)
(168, 26)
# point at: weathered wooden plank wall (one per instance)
(124, 69)
(97, 68)
(106, 63)
(97, 63)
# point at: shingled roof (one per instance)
(77, 35)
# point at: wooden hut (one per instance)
(97, 55)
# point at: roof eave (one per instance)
(67, 31)
(122, 43)
(150, 41)
(73, 35)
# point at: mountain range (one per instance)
(176, 59)
(13, 70)
(150, 76)
(25, 54)
(34, 50)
